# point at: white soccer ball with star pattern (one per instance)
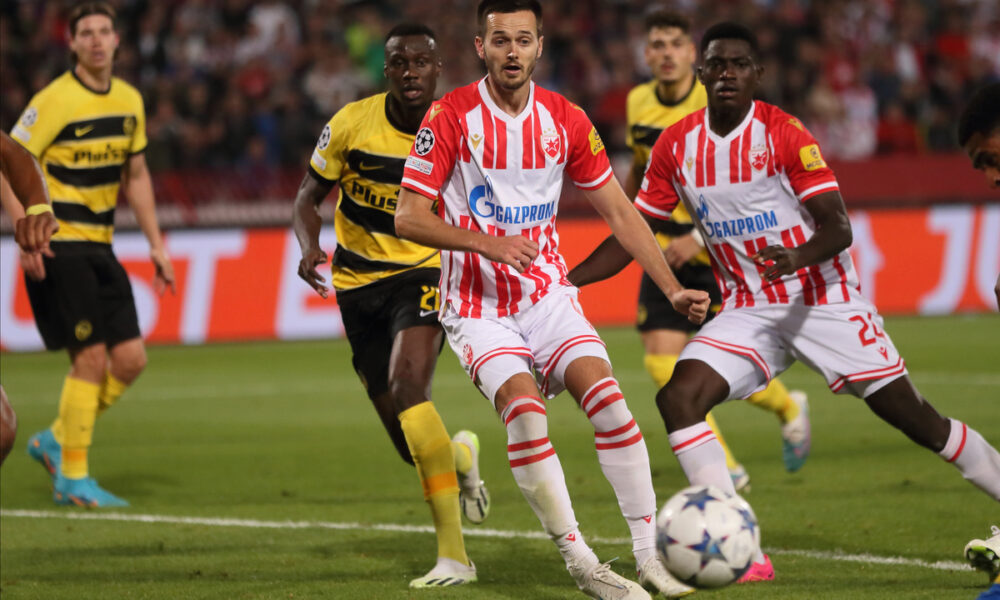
(706, 537)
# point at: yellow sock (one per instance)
(435, 461)
(57, 429)
(775, 398)
(111, 390)
(661, 367)
(77, 413)
(463, 457)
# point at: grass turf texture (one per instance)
(283, 432)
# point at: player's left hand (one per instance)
(777, 261)
(693, 303)
(164, 278)
(33, 232)
(681, 250)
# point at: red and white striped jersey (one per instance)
(502, 175)
(746, 191)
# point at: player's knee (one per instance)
(408, 387)
(90, 363)
(128, 365)
(681, 403)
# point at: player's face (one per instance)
(985, 154)
(511, 46)
(412, 66)
(729, 73)
(94, 42)
(669, 54)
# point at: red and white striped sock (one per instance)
(538, 473)
(978, 461)
(703, 460)
(621, 451)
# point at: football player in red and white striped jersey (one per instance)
(493, 155)
(770, 211)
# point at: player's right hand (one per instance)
(32, 264)
(693, 303)
(516, 251)
(33, 232)
(307, 270)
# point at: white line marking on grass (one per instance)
(837, 556)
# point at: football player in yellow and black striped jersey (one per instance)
(87, 130)
(672, 94)
(387, 287)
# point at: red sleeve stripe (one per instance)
(649, 209)
(743, 351)
(810, 192)
(896, 369)
(414, 185)
(596, 183)
(635, 439)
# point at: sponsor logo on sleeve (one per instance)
(596, 143)
(324, 138)
(318, 160)
(419, 164)
(128, 126)
(424, 142)
(29, 117)
(21, 133)
(811, 158)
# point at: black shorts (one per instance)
(85, 298)
(656, 312)
(375, 313)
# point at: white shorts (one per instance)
(541, 340)
(845, 343)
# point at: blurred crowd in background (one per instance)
(248, 85)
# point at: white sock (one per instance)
(975, 458)
(537, 471)
(703, 460)
(621, 451)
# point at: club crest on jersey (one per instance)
(758, 157)
(424, 142)
(550, 143)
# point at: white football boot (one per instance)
(985, 554)
(657, 580)
(446, 572)
(599, 581)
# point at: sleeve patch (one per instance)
(811, 157)
(318, 160)
(20, 133)
(324, 139)
(29, 117)
(420, 165)
(424, 142)
(596, 143)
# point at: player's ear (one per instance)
(540, 40)
(700, 73)
(480, 48)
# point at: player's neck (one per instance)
(97, 80)
(511, 102)
(723, 120)
(402, 118)
(672, 92)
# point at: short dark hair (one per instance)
(981, 114)
(728, 30)
(404, 29)
(90, 8)
(488, 7)
(663, 19)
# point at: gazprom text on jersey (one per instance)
(743, 226)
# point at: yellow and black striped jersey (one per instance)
(647, 116)
(363, 151)
(82, 138)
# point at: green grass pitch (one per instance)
(264, 473)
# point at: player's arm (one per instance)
(416, 221)
(833, 235)
(25, 198)
(307, 223)
(635, 236)
(139, 191)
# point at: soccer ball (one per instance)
(706, 537)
